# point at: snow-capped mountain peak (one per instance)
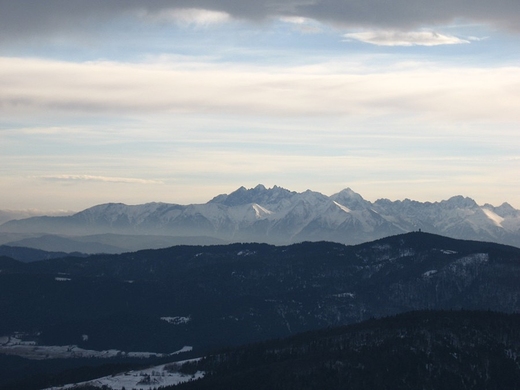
(279, 216)
(350, 199)
(259, 194)
(460, 202)
(504, 210)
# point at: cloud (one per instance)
(28, 18)
(103, 179)
(420, 90)
(400, 38)
(304, 25)
(189, 16)
(294, 19)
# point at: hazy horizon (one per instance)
(178, 101)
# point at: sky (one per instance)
(178, 101)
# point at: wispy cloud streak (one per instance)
(104, 179)
(188, 16)
(420, 90)
(400, 38)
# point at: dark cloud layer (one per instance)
(23, 18)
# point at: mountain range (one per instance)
(269, 215)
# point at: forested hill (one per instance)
(213, 296)
(418, 350)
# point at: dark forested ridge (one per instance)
(29, 254)
(241, 293)
(417, 350)
(431, 350)
(211, 297)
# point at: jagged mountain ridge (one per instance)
(279, 216)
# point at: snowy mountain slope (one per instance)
(279, 216)
(457, 217)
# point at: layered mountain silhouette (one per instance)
(276, 216)
(203, 296)
(217, 296)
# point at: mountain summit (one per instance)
(259, 194)
(280, 216)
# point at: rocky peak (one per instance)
(259, 195)
(459, 202)
(350, 199)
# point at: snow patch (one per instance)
(246, 253)
(427, 274)
(154, 354)
(186, 348)
(477, 258)
(344, 295)
(344, 208)
(495, 218)
(16, 340)
(13, 345)
(149, 378)
(261, 212)
(448, 252)
(406, 252)
(176, 320)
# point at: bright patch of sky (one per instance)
(129, 102)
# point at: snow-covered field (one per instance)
(14, 345)
(150, 378)
(176, 320)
